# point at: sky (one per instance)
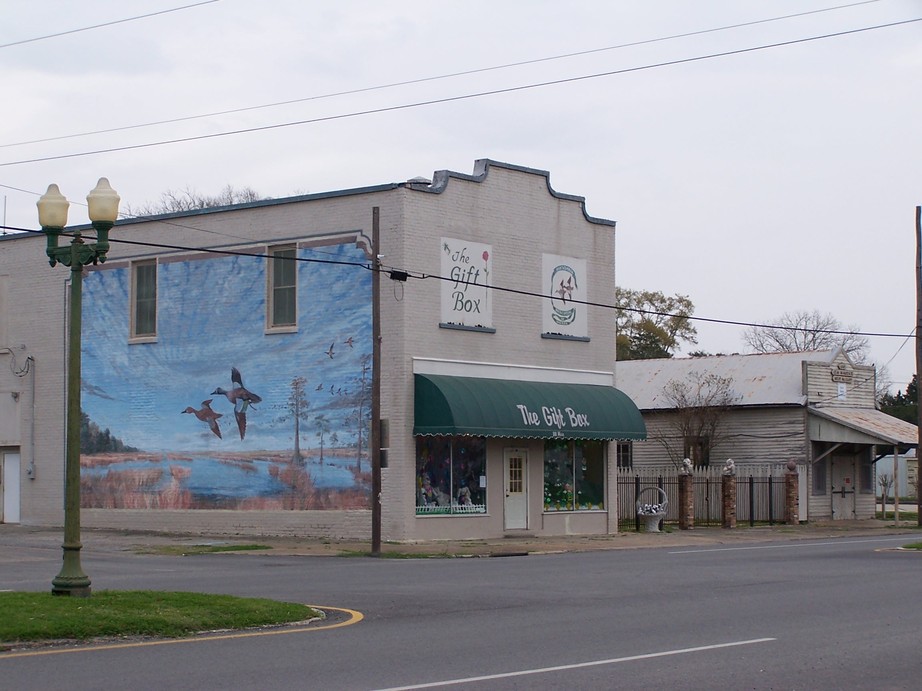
(756, 180)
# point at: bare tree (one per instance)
(174, 201)
(807, 331)
(886, 483)
(700, 403)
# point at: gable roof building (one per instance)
(817, 409)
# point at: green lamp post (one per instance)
(52, 215)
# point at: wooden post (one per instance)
(374, 445)
(896, 486)
(919, 357)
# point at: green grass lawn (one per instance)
(28, 617)
(909, 516)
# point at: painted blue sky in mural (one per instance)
(211, 318)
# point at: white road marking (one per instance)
(578, 665)
(902, 538)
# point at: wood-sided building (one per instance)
(815, 408)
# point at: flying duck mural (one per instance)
(241, 398)
(298, 435)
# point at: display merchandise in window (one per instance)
(574, 475)
(451, 475)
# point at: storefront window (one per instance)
(574, 476)
(451, 475)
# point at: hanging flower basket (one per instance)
(650, 510)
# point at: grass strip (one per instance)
(187, 550)
(43, 616)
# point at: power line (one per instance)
(416, 275)
(421, 80)
(104, 24)
(462, 97)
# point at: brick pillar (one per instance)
(728, 503)
(686, 502)
(791, 497)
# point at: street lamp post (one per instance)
(52, 215)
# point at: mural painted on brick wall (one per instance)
(218, 413)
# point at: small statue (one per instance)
(687, 467)
(792, 466)
(729, 467)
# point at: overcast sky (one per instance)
(757, 183)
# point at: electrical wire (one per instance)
(416, 275)
(461, 97)
(104, 24)
(421, 80)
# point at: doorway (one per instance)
(843, 487)
(515, 486)
(9, 487)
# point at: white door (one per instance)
(843, 487)
(515, 485)
(9, 487)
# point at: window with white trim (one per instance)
(282, 288)
(144, 299)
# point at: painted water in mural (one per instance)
(218, 413)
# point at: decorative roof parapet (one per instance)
(482, 166)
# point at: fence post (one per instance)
(771, 501)
(791, 509)
(752, 501)
(636, 494)
(660, 484)
(728, 504)
(686, 501)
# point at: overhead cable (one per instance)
(421, 80)
(462, 97)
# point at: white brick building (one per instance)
(497, 357)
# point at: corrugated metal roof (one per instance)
(874, 423)
(760, 379)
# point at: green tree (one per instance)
(905, 406)
(94, 440)
(651, 324)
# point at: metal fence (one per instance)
(759, 493)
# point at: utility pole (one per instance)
(375, 441)
(918, 359)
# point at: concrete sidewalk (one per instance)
(95, 540)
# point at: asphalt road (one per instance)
(835, 613)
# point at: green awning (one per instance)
(472, 406)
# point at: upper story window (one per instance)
(282, 298)
(144, 299)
